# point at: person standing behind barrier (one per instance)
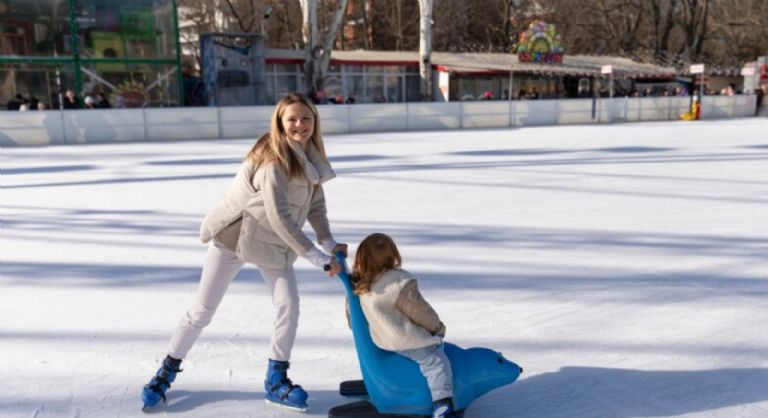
(399, 318)
(71, 101)
(278, 188)
(102, 102)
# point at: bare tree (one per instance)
(693, 22)
(395, 24)
(663, 21)
(317, 45)
(283, 28)
(425, 48)
(740, 32)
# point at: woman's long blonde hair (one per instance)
(274, 145)
(375, 255)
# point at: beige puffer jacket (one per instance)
(391, 328)
(273, 209)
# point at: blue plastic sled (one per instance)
(394, 384)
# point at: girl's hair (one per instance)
(274, 145)
(375, 255)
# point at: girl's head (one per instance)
(295, 119)
(375, 255)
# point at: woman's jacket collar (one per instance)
(316, 168)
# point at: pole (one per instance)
(511, 81)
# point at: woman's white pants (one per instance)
(221, 266)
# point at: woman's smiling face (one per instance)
(298, 123)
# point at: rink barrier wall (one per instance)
(35, 128)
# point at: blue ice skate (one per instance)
(154, 391)
(281, 391)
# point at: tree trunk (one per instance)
(317, 49)
(694, 24)
(425, 49)
(663, 14)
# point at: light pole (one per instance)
(265, 16)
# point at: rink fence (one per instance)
(35, 128)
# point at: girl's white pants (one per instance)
(221, 266)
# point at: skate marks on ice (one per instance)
(240, 403)
(624, 393)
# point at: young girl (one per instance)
(279, 187)
(399, 318)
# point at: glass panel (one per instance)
(286, 68)
(34, 83)
(271, 98)
(355, 87)
(139, 29)
(132, 85)
(34, 28)
(391, 69)
(357, 69)
(333, 88)
(285, 84)
(394, 89)
(412, 86)
(374, 89)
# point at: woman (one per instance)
(277, 189)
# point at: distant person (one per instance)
(534, 94)
(351, 99)
(102, 102)
(522, 94)
(487, 95)
(278, 188)
(41, 106)
(760, 93)
(319, 97)
(71, 101)
(89, 102)
(399, 318)
(24, 107)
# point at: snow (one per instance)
(623, 266)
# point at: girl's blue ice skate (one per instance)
(281, 391)
(154, 391)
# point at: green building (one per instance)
(126, 50)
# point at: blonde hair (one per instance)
(274, 145)
(375, 255)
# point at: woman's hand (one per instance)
(339, 247)
(335, 267)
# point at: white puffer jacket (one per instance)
(390, 328)
(274, 208)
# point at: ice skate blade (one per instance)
(292, 408)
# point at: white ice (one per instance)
(625, 267)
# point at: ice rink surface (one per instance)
(625, 267)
